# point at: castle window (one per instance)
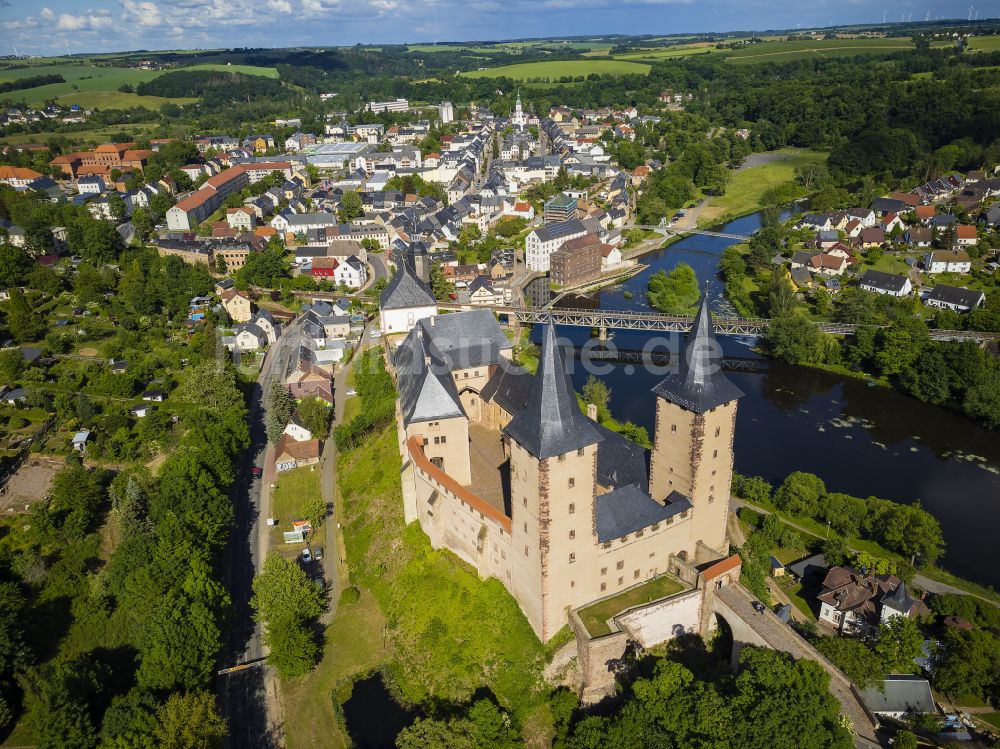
(437, 440)
(572, 583)
(604, 587)
(525, 551)
(621, 565)
(638, 534)
(476, 374)
(579, 452)
(562, 458)
(714, 472)
(572, 483)
(668, 521)
(656, 526)
(711, 497)
(684, 514)
(525, 527)
(715, 453)
(572, 535)
(572, 508)
(604, 570)
(718, 431)
(673, 429)
(503, 554)
(572, 558)
(439, 462)
(606, 545)
(443, 440)
(525, 501)
(635, 575)
(621, 580)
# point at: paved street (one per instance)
(244, 695)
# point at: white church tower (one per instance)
(518, 120)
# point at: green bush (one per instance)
(350, 595)
(750, 517)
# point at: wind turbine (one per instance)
(883, 16)
(970, 12)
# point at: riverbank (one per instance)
(930, 578)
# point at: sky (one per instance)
(55, 26)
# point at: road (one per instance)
(244, 695)
(922, 581)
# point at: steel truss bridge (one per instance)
(656, 322)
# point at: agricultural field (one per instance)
(778, 50)
(245, 69)
(559, 68)
(984, 43)
(97, 85)
(95, 136)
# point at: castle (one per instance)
(502, 468)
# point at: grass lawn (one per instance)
(794, 594)
(353, 646)
(781, 51)
(595, 616)
(293, 489)
(451, 633)
(747, 186)
(992, 718)
(890, 262)
(558, 68)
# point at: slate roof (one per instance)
(551, 423)
(406, 290)
(885, 281)
(629, 509)
(465, 339)
(621, 462)
(699, 384)
(509, 387)
(956, 295)
(899, 599)
(900, 694)
(426, 389)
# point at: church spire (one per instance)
(698, 384)
(551, 422)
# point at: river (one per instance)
(859, 439)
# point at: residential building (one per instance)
(900, 696)
(955, 298)
(238, 306)
(290, 453)
(200, 204)
(297, 430)
(351, 273)
(965, 235)
(446, 112)
(885, 283)
(250, 337)
(404, 301)
(543, 241)
(857, 602)
(242, 218)
(948, 261)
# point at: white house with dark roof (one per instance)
(543, 241)
(351, 273)
(889, 284)
(955, 298)
(404, 301)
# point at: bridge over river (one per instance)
(604, 320)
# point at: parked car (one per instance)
(319, 553)
(306, 555)
(351, 393)
(376, 334)
(256, 472)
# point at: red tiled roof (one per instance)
(722, 567)
(963, 231)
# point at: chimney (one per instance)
(592, 411)
(432, 320)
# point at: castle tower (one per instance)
(693, 438)
(553, 465)
(518, 119)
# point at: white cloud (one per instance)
(91, 21)
(142, 13)
(282, 6)
(47, 14)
